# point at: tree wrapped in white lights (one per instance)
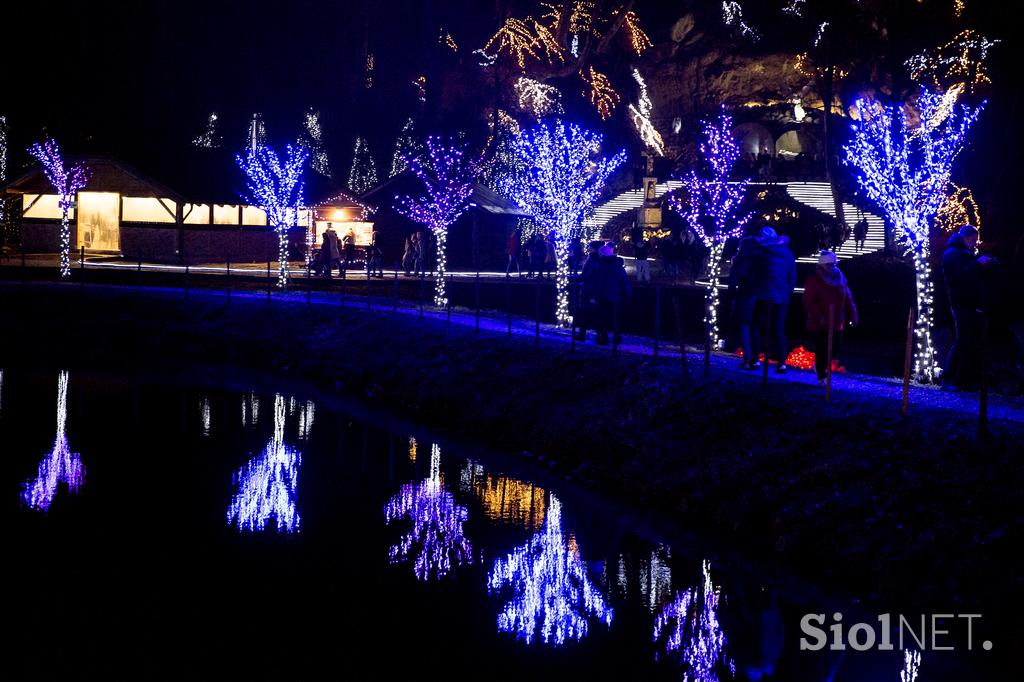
(712, 207)
(276, 186)
(66, 182)
(447, 174)
(558, 180)
(904, 166)
(362, 175)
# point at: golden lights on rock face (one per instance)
(524, 39)
(600, 92)
(958, 209)
(639, 41)
(960, 61)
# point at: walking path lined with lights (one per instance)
(818, 195)
(845, 386)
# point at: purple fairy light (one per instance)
(447, 174)
(60, 465)
(437, 539)
(550, 585)
(712, 207)
(690, 626)
(276, 186)
(66, 182)
(267, 484)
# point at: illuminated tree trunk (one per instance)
(711, 295)
(440, 292)
(562, 249)
(65, 241)
(926, 366)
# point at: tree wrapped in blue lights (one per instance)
(712, 207)
(558, 180)
(267, 485)
(276, 186)
(437, 537)
(689, 626)
(903, 165)
(447, 174)
(551, 586)
(66, 182)
(60, 466)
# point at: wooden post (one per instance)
(309, 283)
(394, 301)
(707, 348)
(657, 319)
(983, 378)
(828, 358)
(477, 299)
(186, 275)
(682, 339)
(766, 342)
(616, 330)
(423, 284)
(536, 311)
(23, 267)
(81, 267)
(138, 272)
(908, 355)
(448, 301)
(229, 278)
(508, 305)
(268, 281)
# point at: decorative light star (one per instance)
(276, 186)
(905, 171)
(557, 180)
(437, 537)
(60, 466)
(689, 625)
(552, 592)
(66, 182)
(267, 485)
(448, 175)
(712, 207)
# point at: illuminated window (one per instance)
(253, 216)
(225, 214)
(44, 206)
(98, 226)
(197, 214)
(139, 210)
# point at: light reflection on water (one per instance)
(60, 465)
(550, 586)
(437, 541)
(267, 484)
(504, 498)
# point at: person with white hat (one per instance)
(827, 295)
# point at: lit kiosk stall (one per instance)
(348, 216)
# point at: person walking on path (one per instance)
(744, 300)
(586, 304)
(409, 254)
(375, 258)
(420, 268)
(641, 250)
(512, 251)
(774, 280)
(962, 271)
(827, 290)
(610, 287)
(860, 233)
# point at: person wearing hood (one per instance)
(962, 270)
(586, 304)
(774, 278)
(741, 287)
(609, 287)
(824, 290)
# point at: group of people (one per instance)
(762, 279)
(536, 255)
(414, 255)
(341, 254)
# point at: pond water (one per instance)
(173, 529)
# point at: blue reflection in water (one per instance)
(911, 665)
(267, 484)
(550, 586)
(60, 465)
(436, 541)
(691, 625)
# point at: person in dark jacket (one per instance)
(774, 278)
(609, 287)
(586, 304)
(962, 270)
(741, 286)
(827, 295)
(512, 250)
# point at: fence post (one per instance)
(448, 301)
(23, 267)
(268, 281)
(536, 311)
(138, 272)
(682, 339)
(707, 347)
(394, 301)
(766, 342)
(616, 330)
(908, 354)
(477, 300)
(983, 376)
(508, 306)
(229, 279)
(186, 275)
(309, 282)
(81, 267)
(828, 367)
(657, 318)
(423, 284)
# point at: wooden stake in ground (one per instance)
(983, 376)
(682, 340)
(908, 356)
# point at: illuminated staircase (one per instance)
(613, 208)
(818, 195)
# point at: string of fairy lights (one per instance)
(712, 207)
(448, 174)
(66, 183)
(362, 175)
(732, 15)
(600, 92)
(536, 98)
(906, 170)
(641, 116)
(558, 180)
(406, 145)
(276, 186)
(961, 60)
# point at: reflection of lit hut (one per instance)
(477, 239)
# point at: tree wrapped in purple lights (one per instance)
(690, 626)
(904, 165)
(447, 174)
(66, 182)
(276, 186)
(551, 586)
(60, 466)
(557, 181)
(267, 484)
(712, 208)
(437, 536)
